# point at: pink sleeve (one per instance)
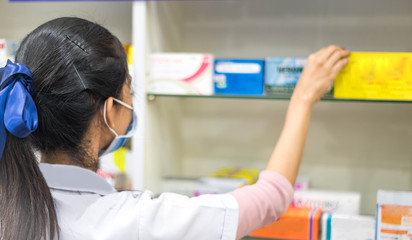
(262, 203)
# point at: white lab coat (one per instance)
(89, 208)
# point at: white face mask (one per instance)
(119, 140)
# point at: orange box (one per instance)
(296, 223)
(394, 215)
(395, 221)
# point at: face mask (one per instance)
(118, 141)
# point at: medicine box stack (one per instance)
(8, 49)
(347, 227)
(282, 74)
(181, 73)
(2, 52)
(238, 76)
(210, 185)
(226, 180)
(394, 215)
(330, 201)
(298, 223)
(250, 175)
(302, 183)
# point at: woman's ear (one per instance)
(110, 112)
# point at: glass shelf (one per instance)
(153, 96)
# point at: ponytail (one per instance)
(27, 207)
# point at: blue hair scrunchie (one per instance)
(18, 113)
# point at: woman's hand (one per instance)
(319, 73)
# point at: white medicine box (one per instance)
(181, 73)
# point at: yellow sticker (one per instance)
(120, 158)
(374, 75)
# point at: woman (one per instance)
(68, 96)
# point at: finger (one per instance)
(336, 56)
(324, 54)
(340, 64)
(328, 52)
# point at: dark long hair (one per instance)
(76, 65)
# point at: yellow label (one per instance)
(248, 174)
(120, 158)
(129, 52)
(373, 75)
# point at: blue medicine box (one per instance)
(282, 74)
(239, 76)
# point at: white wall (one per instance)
(261, 28)
(18, 19)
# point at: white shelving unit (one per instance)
(356, 146)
